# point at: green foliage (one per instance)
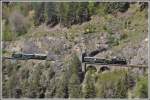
(65, 13)
(34, 83)
(62, 86)
(10, 85)
(51, 13)
(115, 86)
(74, 87)
(89, 86)
(68, 85)
(56, 50)
(24, 73)
(75, 64)
(51, 73)
(89, 29)
(113, 41)
(114, 7)
(7, 33)
(39, 16)
(49, 81)
(141, 89)
(24, 87)
(122, 87)
(91, 8)
(72, 13)
(74, 81)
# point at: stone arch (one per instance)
(104, 68)
(91, 68)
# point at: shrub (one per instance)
(141, 89)
(89, 29)
(7, 33)
(114, 7)
(112, 41)
(115, 86)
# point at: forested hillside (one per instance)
(63, 31)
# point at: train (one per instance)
(94, 60)
(25, 56)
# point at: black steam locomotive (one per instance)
(94, 60)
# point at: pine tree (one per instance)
(51, 13)
(39, 17)
(74, 81)
(62, 87)
(74, 87)
(91, 8)
(89, 88)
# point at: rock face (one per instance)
(58, 49)
(142, 54)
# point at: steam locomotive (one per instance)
(95, 60)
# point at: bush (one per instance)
(7, 33)
(114, 7)
(141, 89)
(112, 41)
(115, 86)
(89, 29)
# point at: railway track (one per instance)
(120, 62)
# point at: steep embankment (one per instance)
(124, 35)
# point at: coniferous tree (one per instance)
(62, 86)
(39, 17)
(75, 87)
(74, 81)
(51, 13)
(91, 8)
(89, 88)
